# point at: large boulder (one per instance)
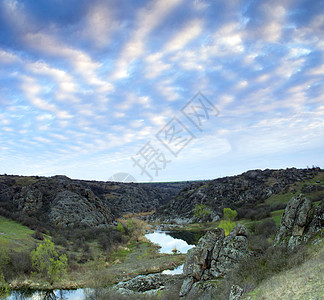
(233, 248)
(299, 222)
(214, 256)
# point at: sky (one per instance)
(163, 90)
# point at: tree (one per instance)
(229, 214)
(201, 212)
(227, 223)
(47, 261)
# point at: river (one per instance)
(163, 239)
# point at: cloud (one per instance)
(100, 24)
(147, 20)
(191, 31)
(32, 90)
(8, 57)
(81, 61)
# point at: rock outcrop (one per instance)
(299, 222)
(61, 201)
(245, 190)
(214, 256)
(143, 283)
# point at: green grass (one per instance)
(277, 215)
(295, 189)
(15, 235)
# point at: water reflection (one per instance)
(176, 271)
(191, 238)
(46, 295)
(168, 243)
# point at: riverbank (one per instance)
(125, 263)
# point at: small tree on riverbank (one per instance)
(48, 262)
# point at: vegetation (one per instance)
(201, 212)
(48, 262)
(97, 257)
(227, 223)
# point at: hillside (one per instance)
(254, 194)
(61, 201)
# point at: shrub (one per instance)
(227, 223)
(20, 263)
(38, 235)
(46, 261)
(251, 270)
(266, 228)
(201, 212)
(229, 214)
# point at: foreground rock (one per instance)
(214, 256)
(145, 284)
(299, 222)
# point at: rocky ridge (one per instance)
(62, 202)
(245, 190)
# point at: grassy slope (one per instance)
(15, 235)
(295, 189)
(302, 282)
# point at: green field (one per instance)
(15, 235)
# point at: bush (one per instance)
(201, 212)
(20, 263)
(38, 235)
(46, 261)
(228, 220)
(266, 228)
(252, 270)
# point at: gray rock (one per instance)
(214, 256)
(233, 248)
(186, 286)
(299, 222)
(198, 258)
(70, 209)
(236, 292)
(143, 283)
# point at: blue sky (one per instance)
(92, 88)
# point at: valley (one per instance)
(103, 227)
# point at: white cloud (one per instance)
(81, 61)
(32, 89)
(167, 89)
(8, 57)
(100, 24)
(191, 31)
(155, 66)
(147, 20)
(132, 99)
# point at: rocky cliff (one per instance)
(61, 201)
(245, 190)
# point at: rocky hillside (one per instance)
(244, 191)
(61, 201)
(216, 256)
